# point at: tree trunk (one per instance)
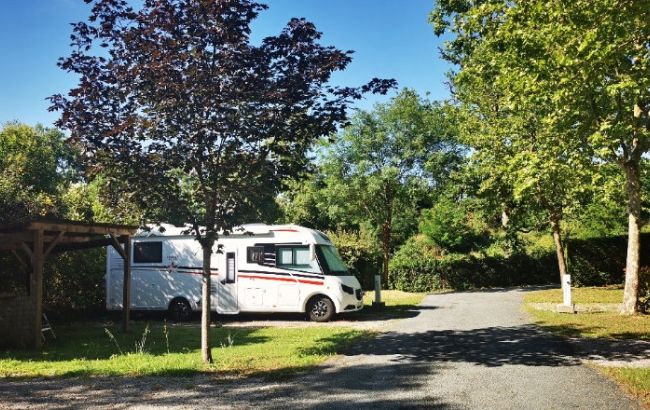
(385, 247)
(559, 246)
(633, 190)
(206, 348)
(505, 218)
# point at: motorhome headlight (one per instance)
(347, 289)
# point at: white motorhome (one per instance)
(258, 268)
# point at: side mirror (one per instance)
(312, 252)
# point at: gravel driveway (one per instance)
(472, 350)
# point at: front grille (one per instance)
(359, 294)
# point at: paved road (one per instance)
(473, 350)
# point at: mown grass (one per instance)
(635, 380)
(394, 298)
(579, 295)
(593, 325)
(86, 350)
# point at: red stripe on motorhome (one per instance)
(307, 282)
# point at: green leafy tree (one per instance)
(176, 102)
(382, 167)
(604, 69)
(454, 225)
(589, 65)
(34, 169)
(538, 168)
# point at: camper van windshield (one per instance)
(333, 262)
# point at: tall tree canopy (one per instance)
(34, 169)
(174, 99)
(382, 168)
(578, 69)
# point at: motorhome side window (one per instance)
(296, 258)
(147, 252)
(255, 254)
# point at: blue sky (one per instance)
(391, 39)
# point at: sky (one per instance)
(391, 39)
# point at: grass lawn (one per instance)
(86, 350)
(636, 381)
(394, 298)
(608, 324)
(579, 295)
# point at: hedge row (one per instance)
(418, 267)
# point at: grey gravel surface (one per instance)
(473, 350)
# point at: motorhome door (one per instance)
(227, 285)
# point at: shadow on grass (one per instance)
(64, 359)
(576, 330)
(90, 341)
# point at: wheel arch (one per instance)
(181, 298)
(312, 295)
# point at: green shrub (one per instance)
(452, 225)
(601, 261)
(73, 283)
(419, 266)
(414, 267)
(644, 281)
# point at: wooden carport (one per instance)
(33, 241)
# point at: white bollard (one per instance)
(566, 290)
(377, 302)
(567, 304)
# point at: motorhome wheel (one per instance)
(320, 309)
(179, 310)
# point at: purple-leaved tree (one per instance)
(175, 100)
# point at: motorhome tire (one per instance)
(320, 309)
(179, 310)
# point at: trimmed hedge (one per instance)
(418, 266)
(601, 261)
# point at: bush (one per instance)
(601, 261)
(414, 267)
(644, 282)
(73, 283)
(420, 266)
(453, 226)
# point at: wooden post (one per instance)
(37, 286)
(126, 289)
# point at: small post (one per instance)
(377, 303)
(126, 285)
(567, 305)
(566, 290)
(37, 287)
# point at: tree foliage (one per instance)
(382, 168)
(34, 170)
(571, 80)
